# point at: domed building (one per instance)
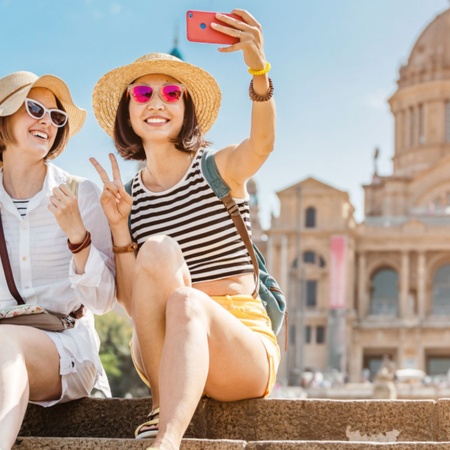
(361, 292)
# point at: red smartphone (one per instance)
(198, 28)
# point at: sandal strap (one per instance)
(149, 424)
(153, 413)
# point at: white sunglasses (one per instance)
(37, 111)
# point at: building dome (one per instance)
(430, 57)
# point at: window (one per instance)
(441, 291)
(309, 257)
(438, 364)
(411, 127)
(307, 334)
(311, 293)
(310, 217)
(292, 333)
(421, 125)
(384, 293)
(320, 335)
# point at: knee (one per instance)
(185, 305)
(158, 254)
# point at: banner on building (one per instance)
(338, 271)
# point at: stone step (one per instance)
(253, 420)
(47, 443)
(44, 443)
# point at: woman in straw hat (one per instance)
(183, 273)
(60, 256)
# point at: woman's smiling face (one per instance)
(156, 120)
(35, 135)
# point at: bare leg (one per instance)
(206, 348)
(187, 343)
(160, 269)
(30, 371)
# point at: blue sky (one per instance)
(334, 65)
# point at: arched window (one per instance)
(310, 217)
(309, 257)
(312, 258)
(441, 291)
(384, 293)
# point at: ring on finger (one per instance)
(239, 34)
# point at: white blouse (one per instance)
(43, 266)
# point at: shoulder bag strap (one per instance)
(7, 267)
(222, 190)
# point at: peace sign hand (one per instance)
(115, 200)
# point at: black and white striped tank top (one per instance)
(190, 213)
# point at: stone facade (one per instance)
(359, 292)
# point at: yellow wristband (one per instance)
(262, 71)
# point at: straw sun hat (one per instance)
(201, 86)
(15, 87)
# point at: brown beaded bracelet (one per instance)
(260, 98)
(127, 248)
(76, 248)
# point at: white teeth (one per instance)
(155, 120)
(40, 134)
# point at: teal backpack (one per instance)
(266, 288)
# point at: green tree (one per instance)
(115, 333)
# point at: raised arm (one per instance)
(237, 163)
(116, 204)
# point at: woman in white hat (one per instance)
(183, 273)
(59, 253)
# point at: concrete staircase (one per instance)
(252, 424)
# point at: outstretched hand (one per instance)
(115, 200)
(249, 32)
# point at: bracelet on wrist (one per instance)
(266, 69)
(126, 249)
(260, 98)
(77, 248)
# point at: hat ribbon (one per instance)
(12, 93)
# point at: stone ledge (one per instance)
(252, 420)
(31, 443)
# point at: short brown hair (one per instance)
(6, 136)
(129, 144)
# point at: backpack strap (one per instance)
(222, 190)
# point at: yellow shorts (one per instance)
(253, 315)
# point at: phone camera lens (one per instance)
(190, 15)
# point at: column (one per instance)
(363, 306)
(284, 262)
(404, 285)
(421, 286)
